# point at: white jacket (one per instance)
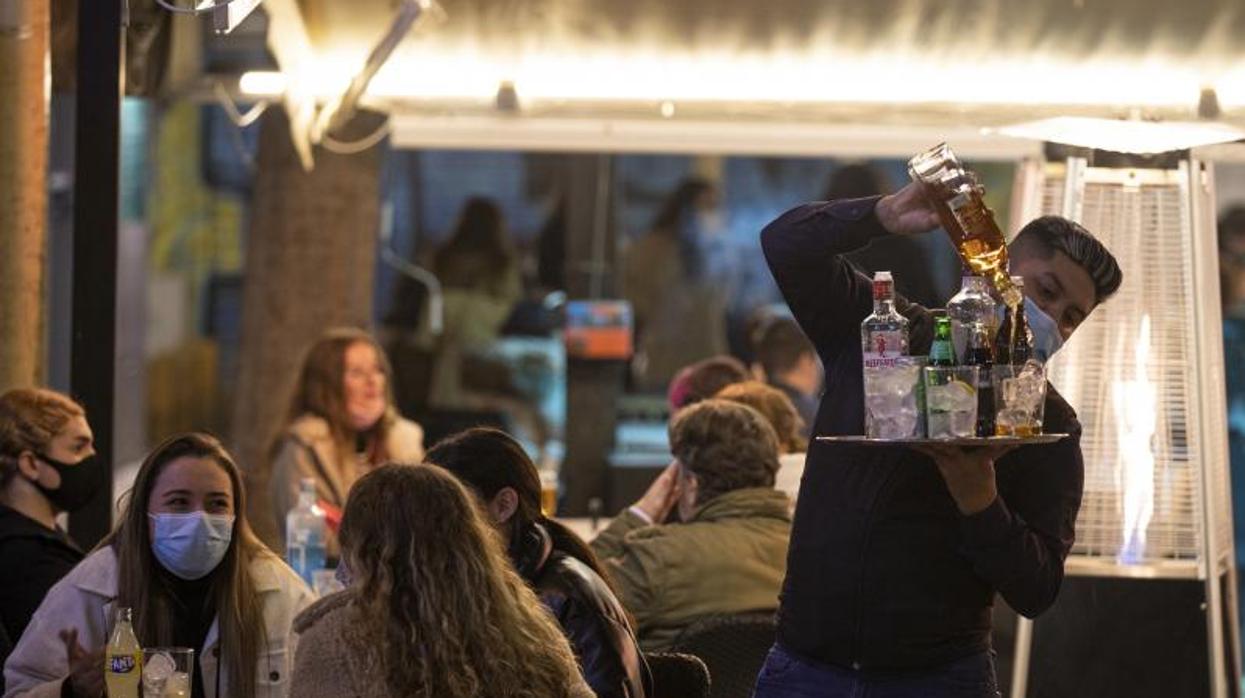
(84, 600)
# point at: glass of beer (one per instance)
(549, 492)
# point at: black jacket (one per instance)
(590, 615)
(35, 557)
(884, 573)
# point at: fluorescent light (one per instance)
(1125, 136)
(262, 83)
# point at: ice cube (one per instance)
(159, 667)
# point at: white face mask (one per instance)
(191, 545)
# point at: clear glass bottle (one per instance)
(884, 334)
(304, 533)
(123, 657)
(972, 304)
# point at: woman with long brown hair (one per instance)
(433, 608)
(341, 423)
(47, 466)
(183, 557)
(559, 566)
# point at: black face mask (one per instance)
(79, 481)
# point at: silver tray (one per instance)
(974, 441)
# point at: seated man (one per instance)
(729, 555)
(703, 379)
(787, 360)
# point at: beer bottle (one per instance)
(980, 355)
(942, 351)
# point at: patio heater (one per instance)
(1145, 375)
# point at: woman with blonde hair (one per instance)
(782, 414)
(341, 423)
(433, 607)
(184, 559)
(47, 467)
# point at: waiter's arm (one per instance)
(803, 248)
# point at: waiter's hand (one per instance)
(968, 472)
(907, 212)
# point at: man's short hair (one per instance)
(779, 344)
(1049, 234)
(703, 379)
(726, 445)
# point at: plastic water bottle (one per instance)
(304, 533)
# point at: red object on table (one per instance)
(332, 515)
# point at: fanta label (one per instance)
(121, 664)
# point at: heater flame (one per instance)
(1136, 404)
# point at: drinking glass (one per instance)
(893, 399)
(167, 672)
(1019, 399)
(951, 401)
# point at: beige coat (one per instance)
(84, 600)
(730, 558)
(324, 668)
(307, 450)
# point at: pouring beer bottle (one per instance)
(956, 195)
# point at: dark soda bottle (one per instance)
(980, 354)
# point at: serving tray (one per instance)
(973, 441)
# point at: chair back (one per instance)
(733, 647)
(677, 675)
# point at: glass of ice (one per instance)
(951, 401)
(893, 399)
(1019, 399)
(167, 672)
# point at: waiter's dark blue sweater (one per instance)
(884, 573)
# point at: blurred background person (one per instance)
(433, 608)
(703, 379)
(183, 557)
(788, 427)
(481, 280)
(676, 277)
(559, 566)
(341, 424)
(47, 466)
(787, 360)
(730, 554)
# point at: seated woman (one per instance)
(432, 607)
(730, 554)
(183, 557)
(781, 413)
(47, 466)
(342, 423)
(553, 560)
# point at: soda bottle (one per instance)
(304, 533)
(956, 195)
(1014, 342)
(942, 351)
(980, 354)
(884, 334)
(972, 304)
(123, 658)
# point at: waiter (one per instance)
(894, 563)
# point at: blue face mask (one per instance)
(1046, 337)
(191, 545)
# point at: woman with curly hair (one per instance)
(433, 606)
